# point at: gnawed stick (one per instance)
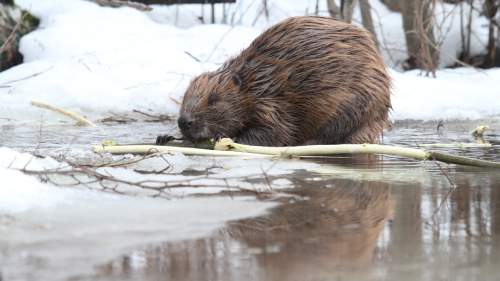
(324, 150)
(226, 147)
(147, 149)
(81, 121)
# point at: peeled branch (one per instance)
(323, 150)
(81, 121)
(326, 150)
(147, 149)
(226, 147)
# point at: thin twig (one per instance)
(6, 84)
(192, 56)
(160, 117)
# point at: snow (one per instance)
(28, 194)
(121, 54)
(124, 59)
(456, 94)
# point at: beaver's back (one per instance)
(329, 73)
(305, 80)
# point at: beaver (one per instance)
(305, 80)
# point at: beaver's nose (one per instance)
(184, 123)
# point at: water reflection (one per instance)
(330, 230)
(442, 232)
(352, 230)
(334, 230)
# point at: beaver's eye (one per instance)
(212, 98)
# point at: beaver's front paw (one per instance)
(164, 139)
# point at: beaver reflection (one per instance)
(336, 228)
(315, 239)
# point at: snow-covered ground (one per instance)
(95, 60)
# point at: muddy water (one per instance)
(355, 218)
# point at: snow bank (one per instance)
(94, 60)
(456, 94)
(19, 193)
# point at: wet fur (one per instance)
(306, 80)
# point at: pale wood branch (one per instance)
(81, 121)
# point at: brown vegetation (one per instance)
(12, 28)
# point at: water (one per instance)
(351, 218)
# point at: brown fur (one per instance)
(306, 80)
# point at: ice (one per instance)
(24, 161)
(92, 227)
(19, 193)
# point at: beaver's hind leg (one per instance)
(266, 136)
(337, 130)
(370, 132)
(257, 136)
(349, 130)
(273, 124)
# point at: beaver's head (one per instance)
(213, 107)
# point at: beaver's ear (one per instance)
(237, 79)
